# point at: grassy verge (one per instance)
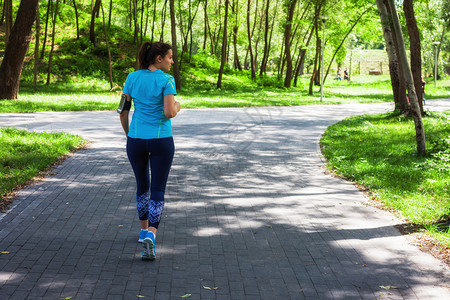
(24, 155)
(200, 92)
(379, 152)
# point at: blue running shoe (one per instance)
(142, 235)
(149, 247)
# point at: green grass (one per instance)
(24, 155)
(199, 91)
(379, 152)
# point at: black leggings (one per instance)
(156, 154)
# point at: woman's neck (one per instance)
(152, 68)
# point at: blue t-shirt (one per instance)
(147, 89)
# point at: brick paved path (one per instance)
(249, 214)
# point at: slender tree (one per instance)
(402, 103)
(36, 47)
(266, 41)
(287, 45)
(415, 50)
(235, 12)
(95, 10)
(420, 131)
(386, 25)
(342, 42)
(163, 20)
(314, 77)
(252, 62)
(176, 69)
(205, 28)
(76, 18)
(50, 57)
(11, 67)
(110, 13)
(224, 46)
(48, 14)
(299, 69)
(105, 32)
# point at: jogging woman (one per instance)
(149, 136)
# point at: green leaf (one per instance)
(388, 287)
(186, 296)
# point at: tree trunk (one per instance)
(420, 131)
(415, 50)
(302, 56)
(315, 70)
(8, 20)
(163, 20)
(386, 24)
(49, 9)
(135, 23)
(110, 13)
(266, 41)
(235, 12)
(224, 47)
(176, 69)
(258, 35)
(92, 27)
(55, 18)
(270, 37)
(107, 48)
(11, 67)
(36, 47)
(403, 103)
(252, 62)
(154, 19)
(287, 46)
(76, 18)
(130, 15)
(439, 48)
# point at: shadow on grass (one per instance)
(64, 88)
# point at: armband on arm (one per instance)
(124, 104)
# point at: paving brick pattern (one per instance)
(250, 214)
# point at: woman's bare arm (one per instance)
(124, 117)
(171, 107)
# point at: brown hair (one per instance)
(150, 51)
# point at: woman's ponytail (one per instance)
(143, 63)
(149, 52)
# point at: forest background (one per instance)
(94, 41)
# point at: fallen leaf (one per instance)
(120, 225)
(270, 226)
(6, 252)
(364, 265)
(68, 298)
(388, 287)
(140, 296)
(186, 296)
(206, 287)
(216, 288)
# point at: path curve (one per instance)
(250, 214)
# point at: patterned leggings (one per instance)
(156, 155)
